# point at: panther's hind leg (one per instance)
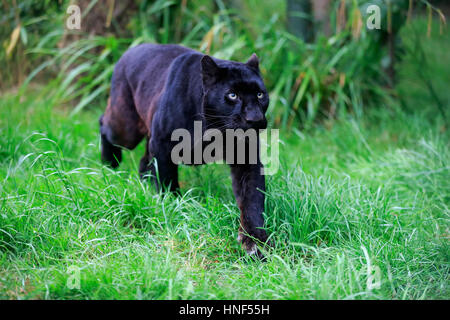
(120, 125)
(163, 170)
(110, 153)
(144, 165)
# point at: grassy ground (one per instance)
(358, 194)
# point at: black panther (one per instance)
(156, 89)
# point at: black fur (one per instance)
(159, 88)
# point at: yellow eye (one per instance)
(232, 96)
(260, 95)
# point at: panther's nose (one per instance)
(255, 118)
(254, 115)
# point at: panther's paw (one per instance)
(249, 245)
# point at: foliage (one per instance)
(378, 185)
(330, 77)
(23, 25)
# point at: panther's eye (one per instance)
(232, 96)
(260, 95)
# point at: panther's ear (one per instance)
(253, 62)
(210, 70)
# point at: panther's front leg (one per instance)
(163, 170)
(248, 182)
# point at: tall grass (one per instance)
(306, 81)
(329, 216)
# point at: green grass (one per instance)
(371, 190)
(351, 188)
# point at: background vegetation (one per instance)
(364, 181)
